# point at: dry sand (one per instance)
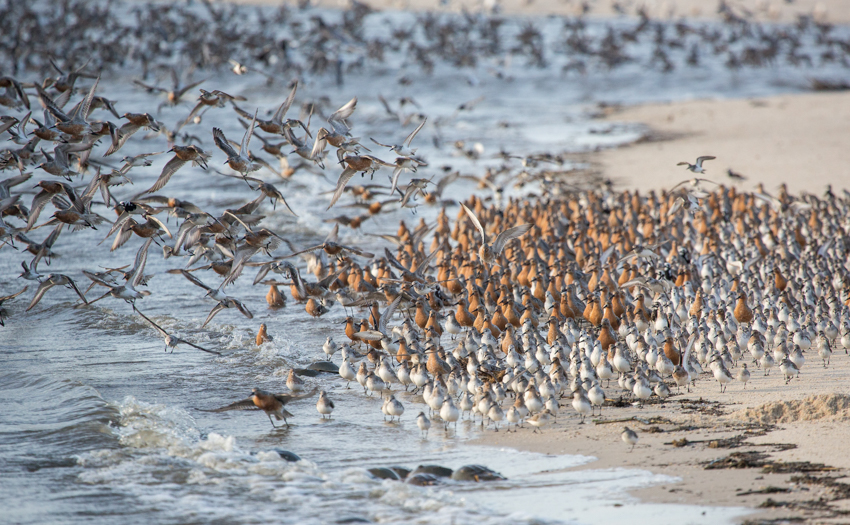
(798, 139)
(805, 421)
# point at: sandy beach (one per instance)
(795, 139)
(794, 429)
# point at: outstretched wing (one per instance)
(223, 145)
(346, 175)
(410, 137)
(508, 235)
(193, 345)
(245, 404)
(168, 170)
(286, 398)
(476, 223)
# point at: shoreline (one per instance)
(793, 454)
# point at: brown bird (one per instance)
(271, 404)
(743, 313)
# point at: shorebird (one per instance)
(540, 420)
(743, 374)
(294, 383)
(423, 423)
(182, 155)
(170, 340)
(54, 279)
(697, 167)
(582, 405)
(228, 302)
(449, 412)
(629, 437)
(173, 96)
(354, 165)
(490, 253)
(324, 405)
(277, 125)
(241, 161)
(330, 348)
(133, 279)
(403, 148)
(271, 404)
(395, 408)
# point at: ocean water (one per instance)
(98, 423)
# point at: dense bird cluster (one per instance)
(499, 310)
(526, 301)
(286, 42)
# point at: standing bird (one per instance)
(324, 405)
(423, 423)
(490, 253)
(271, 404)
(629, 437)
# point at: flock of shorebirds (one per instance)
(499, 311)
(285, 42)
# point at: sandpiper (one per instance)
(423, 423)
(324, 405)
(629, 437)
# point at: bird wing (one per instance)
(119, 222)
(85, 107)
(178, 93)
(223, 145)
(149, 88)
(216, 309)
(344, 112)
(318, 145)
(8, 297)
(284, 108)
(388, 313)
(410, 137)
(137, 273)
(286, 398)
(160, 224)
(245, 404)
(358, 251)
(158, 328)
(243, 309)
(346, 175)
(194, 280)
(168, 170)
(704, 158)
(246, 138)
(38, 203)
(508, 235)
(193, 345)
(74, 286)
(39, 293)
(476, 223)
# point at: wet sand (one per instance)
(716, 425)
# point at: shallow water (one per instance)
(97, 422)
